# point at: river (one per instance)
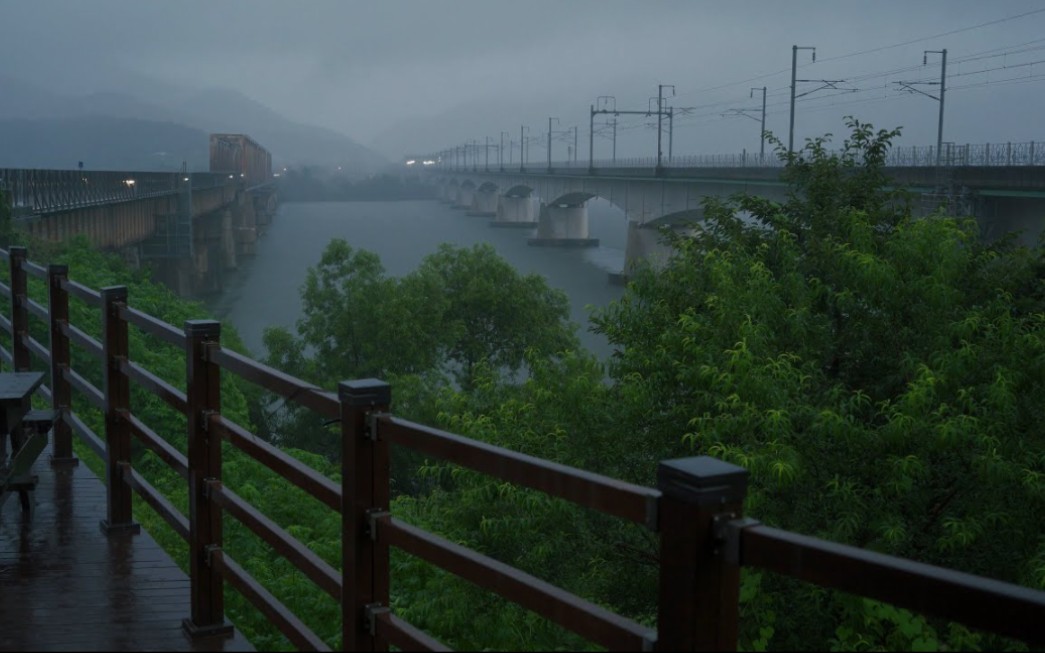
(265, 290)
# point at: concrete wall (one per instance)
(106, 226)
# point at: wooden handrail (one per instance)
(608, 495)
(588, 620)
(1006, 609)
(696, 507)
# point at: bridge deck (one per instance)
(65, 585)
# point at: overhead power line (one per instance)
(936, 36)
(871, 50)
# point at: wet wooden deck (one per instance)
(65, 585)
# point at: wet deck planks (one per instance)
(65, 585)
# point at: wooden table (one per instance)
(16, 391)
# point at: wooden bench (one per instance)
(40, 420)
(27, 442)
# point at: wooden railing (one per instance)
(696, 508)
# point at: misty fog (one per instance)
(361, 84)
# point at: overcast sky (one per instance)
(421, 76)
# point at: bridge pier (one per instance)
(228, 242)
(178, 274)
(645, 244)
(998, 215)
(515, 211)
(220, 238)
(484, 202)
(465, 194)
(448, 193)
(248, 218)
(563, 225)
(265, 204)
(243, 227)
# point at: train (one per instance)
(240, 155)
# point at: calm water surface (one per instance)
(265, 291)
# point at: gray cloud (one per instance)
(417, 76)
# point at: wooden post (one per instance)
(205, 533)
(364, 490)
(61, 391)
(117, 405)
(699, 589)
(19, 312)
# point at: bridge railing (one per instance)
(1029, 153)
(32, 191)
(696, 510)
(35, 191)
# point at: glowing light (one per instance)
(427, 162)
(186, 179)
(275, 174)
(232, 176)
(411, 162)
(129, 182)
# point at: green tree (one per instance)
(492, 313)
(876, 373)
(357, 323)
(462, 308)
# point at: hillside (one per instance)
(124, 131)
(102, 143)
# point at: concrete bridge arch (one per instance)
(518, 206)
(448, 191)
(465, 194)
(555, 205)
(484, 199)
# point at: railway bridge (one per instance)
(1001, 185)
(188, 227)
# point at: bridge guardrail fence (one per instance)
(33, 191)
(696, 509)
(1029, 153)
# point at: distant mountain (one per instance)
(102, 143)
(121, 105)
(292, 143)
(47, 117)
(20, 99)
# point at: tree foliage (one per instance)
(877, 373)
(460, 309)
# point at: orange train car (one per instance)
(240, 155)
